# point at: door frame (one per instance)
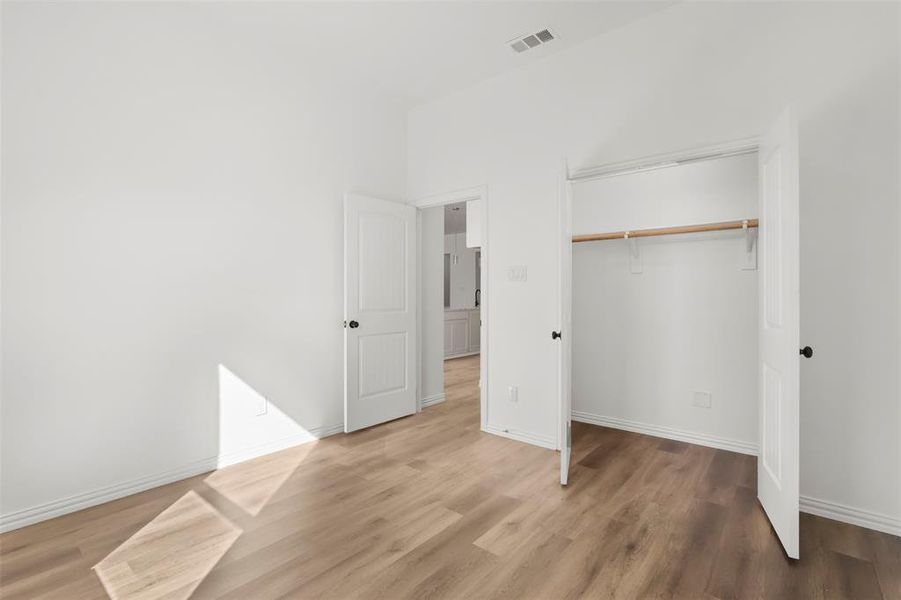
(564, 323)
(640, 164)
(442, 199)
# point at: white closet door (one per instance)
(564, 334)
(779, 307)
(380, 311)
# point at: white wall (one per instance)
(692, 75)
(431, 257)
(172, 203)
(643, 343)
(711, 191)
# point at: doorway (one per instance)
(453, 299)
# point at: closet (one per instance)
(671, 323)
(665, 302)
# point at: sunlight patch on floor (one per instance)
(171, 555)
(250, 485)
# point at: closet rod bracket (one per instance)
(635, 265)
(750, 245)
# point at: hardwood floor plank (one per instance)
(522, 575)
(721, 478)
(886, 552)
(851, 577)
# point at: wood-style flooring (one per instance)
(430, 507)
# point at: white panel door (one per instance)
(779, 307)
(564, 335)
(379, 311)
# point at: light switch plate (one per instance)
(513, 393)
(517, 273)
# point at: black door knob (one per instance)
(556, 335)
(353, 324)
(806, 351)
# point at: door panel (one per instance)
(448, 338)
(458, 335)
(382, 264)
(383, 366)
(565, 340)
(779, 333)
(380, 311)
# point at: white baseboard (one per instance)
(522, 436)
(670, 433)
(432, 400)
(57, 508)
(238, 456)
(851, 515)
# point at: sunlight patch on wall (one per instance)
(249, 421)
(249, 426)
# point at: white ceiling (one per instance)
(417, 51)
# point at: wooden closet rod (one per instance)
(618, 235)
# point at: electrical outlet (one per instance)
(513, 394)
(702, 400)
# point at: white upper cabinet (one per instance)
(462, 264)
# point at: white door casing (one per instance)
(778, 328)
(379, 310)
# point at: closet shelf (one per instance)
(619, 235)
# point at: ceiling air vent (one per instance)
(526, 42)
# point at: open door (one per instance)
(778, 307)
(379, 311)
(564, 335)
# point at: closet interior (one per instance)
(665, 294)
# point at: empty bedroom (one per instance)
(415, 299)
